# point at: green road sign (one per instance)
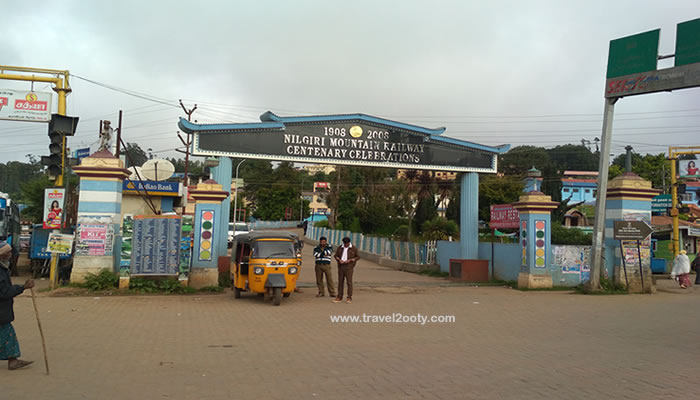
(661, 203)
(688, 42)
(633, 54)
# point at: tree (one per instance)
(135, 156)
(425, 211)
(32, 195)
(573, 157)
(653, 167)
(495, 189)
(521, 158)
(14, 173)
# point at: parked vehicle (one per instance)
(236, 229)
(10, 227)
(40, 259)
(266, 262)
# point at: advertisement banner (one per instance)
(688, 168)
(18, 105)
(60, 243)
(54, 199)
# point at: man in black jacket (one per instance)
(9, 346)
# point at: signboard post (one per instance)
(60, 243)
(632, 230)
(632, 70)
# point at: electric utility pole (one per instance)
(187, 143)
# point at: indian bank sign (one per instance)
(17, 105)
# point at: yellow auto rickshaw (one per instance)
(266, 262)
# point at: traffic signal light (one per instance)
(53, 161)
(60, 126)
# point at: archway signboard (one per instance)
(351, 139)
(356, 140)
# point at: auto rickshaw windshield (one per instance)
(273, 249)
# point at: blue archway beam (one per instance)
(272, 122)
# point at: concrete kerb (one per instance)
(386, 261)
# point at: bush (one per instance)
(167, 285)
(321, 224)
(571, 236)
(439, 228)
(355, 225)
(103, 280)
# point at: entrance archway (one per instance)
(355, 140)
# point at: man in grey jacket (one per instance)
(9, 346)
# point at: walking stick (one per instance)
(41, 332)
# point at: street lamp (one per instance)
(235, 199)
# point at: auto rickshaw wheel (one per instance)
(277, 296)
(236, 293)
(286, 294)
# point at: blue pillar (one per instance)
(629, 199)
(100, 203)
(208, 197)
(469, 216)
(222, 175)
(535, 211)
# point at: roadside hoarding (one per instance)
(689, 168)
(18, 105)
(54, 199)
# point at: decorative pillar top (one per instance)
(102, 164)
(631, 186)
(209, 191)
(535, 202)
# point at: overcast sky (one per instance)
(518, 72)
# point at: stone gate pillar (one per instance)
(628, 199)
(535, 210)
(208, 197)
(100, 199)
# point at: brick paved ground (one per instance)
(504, 344)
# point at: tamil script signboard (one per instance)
(661, 203)
(504, 216)
(353, 139)
(18, 105)
(155, 245)
(631, 230)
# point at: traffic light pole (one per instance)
(673, 153)
(61, 87)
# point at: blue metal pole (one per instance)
(469, 216)
(222, 175)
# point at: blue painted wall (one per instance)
(507, 264)
(578, 191)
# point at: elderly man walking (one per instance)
(346, 255)
(9, 346)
